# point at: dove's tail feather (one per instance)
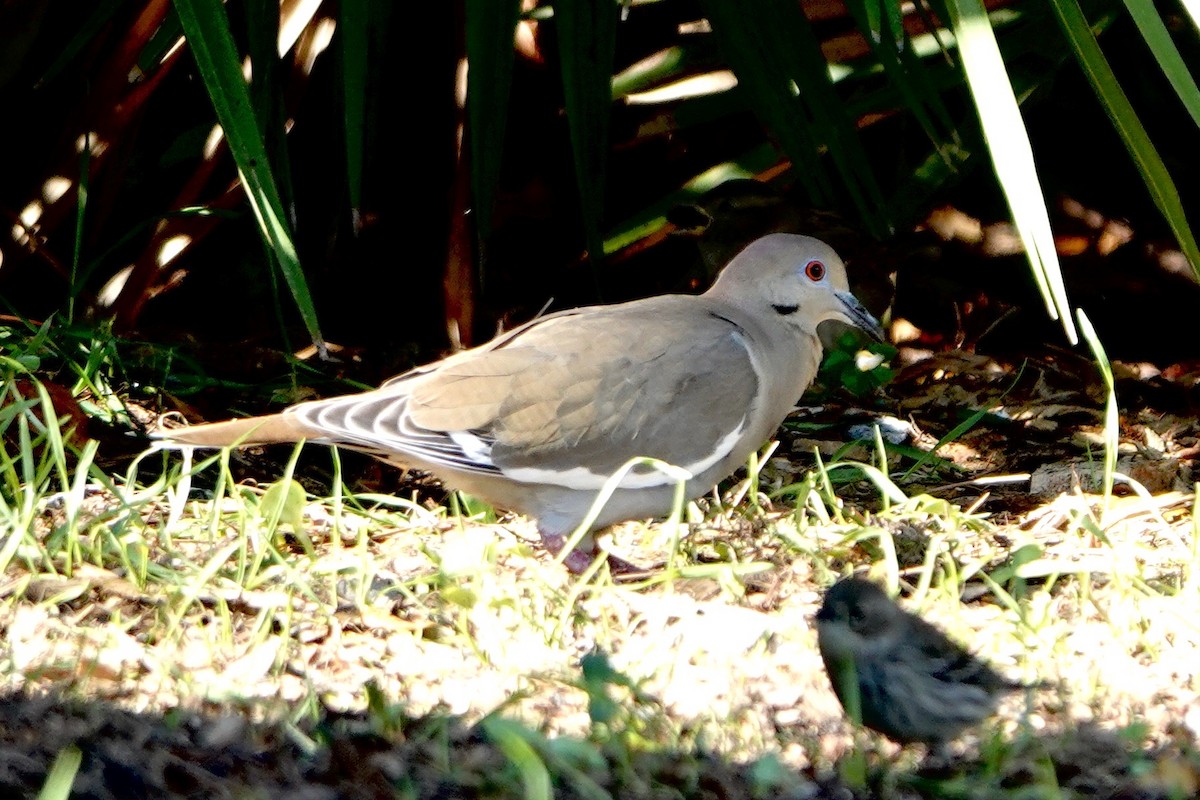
(272, 429)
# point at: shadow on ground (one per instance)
(384, 754)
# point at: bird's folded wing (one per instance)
(569, 399)
(951, 663)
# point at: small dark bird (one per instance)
(908, 680)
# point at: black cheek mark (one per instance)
(783, 311)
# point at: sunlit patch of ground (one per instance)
(225, 613)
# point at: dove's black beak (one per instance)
(859, 317)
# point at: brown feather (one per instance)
(271, 429)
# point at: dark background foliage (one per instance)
(421, 218)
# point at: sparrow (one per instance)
(909, 681)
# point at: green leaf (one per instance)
(1158, 39)
(597, 669)
(780, 67)
(765, 81)
(513, 739)
(472, 507)
(1129, 127)
(284, 501)
(667, 65)
(1012, 155)
(587, 40)
(907, 73)
(353, 28)
(598, 674)
(207, 30)
(490, 28)
(654, 217)
(266, 94)
(460, 596)
(161, 43)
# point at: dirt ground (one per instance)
(417, 656)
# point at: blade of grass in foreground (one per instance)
(207, 30)
(1112, 422)
(62, 774)
(1012, 156)
(510, 737)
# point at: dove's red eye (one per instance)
(815, 270)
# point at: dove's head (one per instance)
(797, 278)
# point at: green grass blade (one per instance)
(490, 27)
(266, 94)
(836, 128)
(927, 91)
(62, 774)
(746, 41)
(207, 30)
(1158, 39)
(1012, 155)
(353, 28)
(513, 740)
(895, 18)
(161, 43)
(262, 37)
(587, 40)
(1154, 172)
(654, 216)
(1112, 421)
(195, 583)
(81, 198)
(907, 74)
(667, 65)
(785, 78)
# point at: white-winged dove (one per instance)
(537, 419)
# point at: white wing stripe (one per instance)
(478, 450)
(584, 479)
